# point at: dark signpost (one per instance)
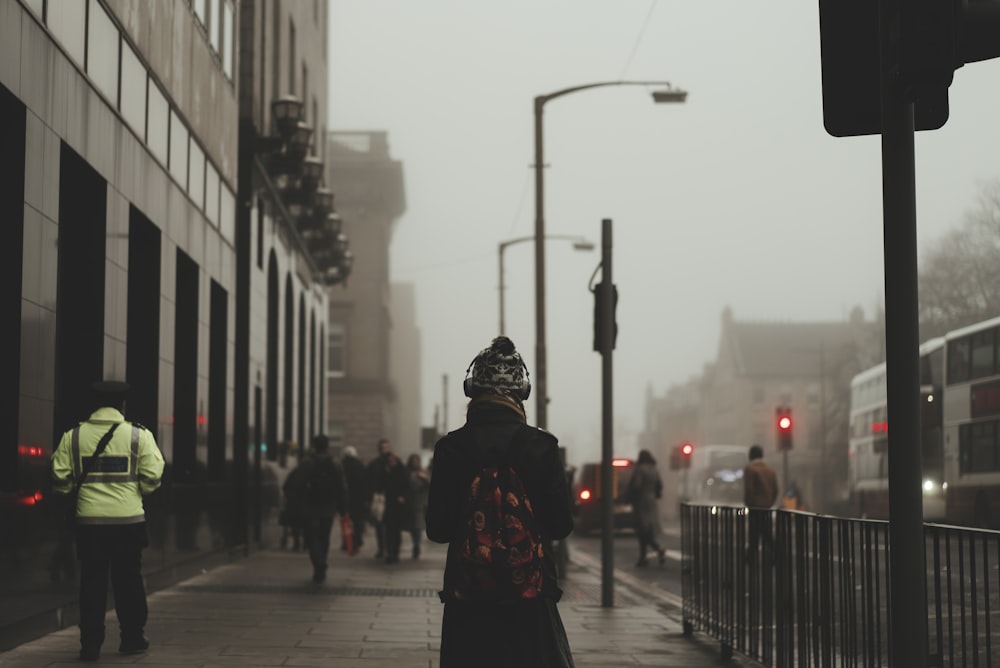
(887, 66)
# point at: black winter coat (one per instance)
(522, 633)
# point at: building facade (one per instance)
(143, 247)
(362, 399)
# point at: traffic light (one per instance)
(680, 456)
(929, 41)
(783, 423)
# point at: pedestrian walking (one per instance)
(104, 466)
(322, 486)
(397, 506)
(420, 483)
(359, 494)
(760, 491)
(376, 510)
(292, 516)
(498, 497)
(644, 491)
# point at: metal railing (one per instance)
(815, 590)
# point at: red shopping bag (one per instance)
(347, 531)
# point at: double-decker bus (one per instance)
(868, 438)
(972, 424)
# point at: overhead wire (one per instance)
(638, 39)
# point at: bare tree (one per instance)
(959, 277)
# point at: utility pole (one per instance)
(607, 329)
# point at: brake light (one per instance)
(585, 495)
(621, 463)
(29, 500)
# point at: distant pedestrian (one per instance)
(496, 471)
(644, 491)
(359, 494)
(292, 516)
(420, 483)
(792, 498)
(397, 506)
(320, 481)
(760, 491)
(110, 464)
(376, 514)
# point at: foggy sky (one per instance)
(737, 197)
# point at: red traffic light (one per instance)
(784, 425)
(687, 449)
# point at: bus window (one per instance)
(958, 361)
(982, 354)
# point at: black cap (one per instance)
(110, 391)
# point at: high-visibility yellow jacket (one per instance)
(130, 467)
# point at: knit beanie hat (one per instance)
(499, 367)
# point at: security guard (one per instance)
(110, 520)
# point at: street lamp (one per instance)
(579, 243)
(667, 94)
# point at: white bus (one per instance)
(868, 438)
(972, 424)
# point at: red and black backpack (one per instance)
(500, 548)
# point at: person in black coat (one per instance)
(359, 494)
(397, 506)
(522, 631)
(324, 490)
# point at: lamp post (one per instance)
(668, 94)
(579, 243)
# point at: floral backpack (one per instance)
(501, 550)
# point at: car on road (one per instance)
(587, 496)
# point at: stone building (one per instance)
(161, 230)
(362, 398)
(759, 367)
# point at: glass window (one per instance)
(68, 26)
(336, 341)
(133, 97)
(335, 432)
(196, 180)
(227, 39)
(157, 122)
(201, 11)
(102, 52)
(212, 194)
(178, 150)
(227, 214)
(215, 24)
(977, 447)
(982, 354)
(958, 361)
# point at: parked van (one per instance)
(715, 475)
(587, 495)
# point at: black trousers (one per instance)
(317, 536)
(114, 550)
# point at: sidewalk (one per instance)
(265, 611)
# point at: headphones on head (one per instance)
(521, 393)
